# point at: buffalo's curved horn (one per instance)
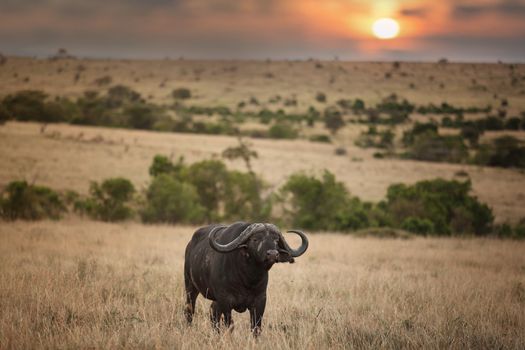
(229, 247)
(299, 251)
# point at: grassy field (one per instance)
(81, 284)
(228, 82)
(84, 284)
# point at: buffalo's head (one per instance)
(263, 242)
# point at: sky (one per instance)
(460, 30)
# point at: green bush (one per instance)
(333, 119)
(243, 199)
(505, 151)
(140, 116)
(519, 229)
(170, 200)
(163, 165)
(181, 93)
(418, 225)
(210, 178)
(219, 193)
(436, 148)
(418, 129)
(359, 106)
(319, 204)
(94, 110)
(471, 132)
(21, 200)
(282, 130)
(32, 105)
(108, 201)
(320, 138)
(4, 114)
(447, 204)
(320, 97)
(514, 123)
(391, 105)
(119, 95)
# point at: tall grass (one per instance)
(83, 284)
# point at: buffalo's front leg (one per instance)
(191, 296)
(228, 322)
(215, 315)
(256, 314)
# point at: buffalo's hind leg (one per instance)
(191, 297)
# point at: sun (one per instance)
(385, 28)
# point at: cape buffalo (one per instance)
(230, 264)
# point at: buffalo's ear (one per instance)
(284, 254)
(284, 257)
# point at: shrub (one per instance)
(140, 116)
(417, 225)
(243, 151)
(243, 199)
(316, 204)
(282, 130)
(210, 178)
(436, 148)
(31, 105)
(359, 106)
(471, 132)
(507, 151)
(333, 119)
(119, 95)
(218, 192)
(418, 129)
(21, 200)
(172, 201)
(163, 165)
(108, 201)
(320, 138)
(447, 204)
(104, 80)
(340, 151)
(345, 104)
(519, 229)
(93, 110)
(320, 97)
(514, 123)
(391, 105)
(4, 114)
(181, 93)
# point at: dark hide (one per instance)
(235, 280)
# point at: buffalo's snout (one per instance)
(272, 255)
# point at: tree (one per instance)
(243, 151)
(108, 201)
(333, 120)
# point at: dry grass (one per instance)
(229, 82)
(81, 284)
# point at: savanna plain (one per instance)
(80, 283)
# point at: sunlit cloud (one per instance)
(263, 28)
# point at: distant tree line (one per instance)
(121, 106)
